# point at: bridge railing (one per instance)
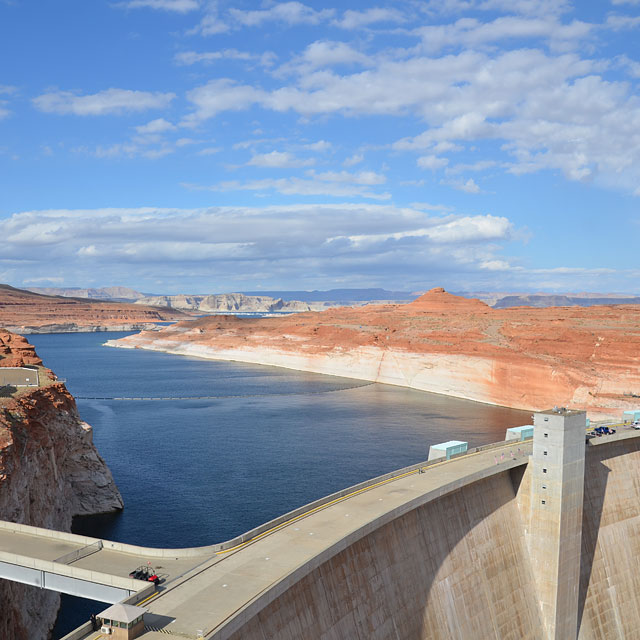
(83, 552)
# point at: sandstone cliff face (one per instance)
(50, 471)
(526, 358)
(236, 302)
(28, 312)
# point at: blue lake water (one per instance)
(195, 472)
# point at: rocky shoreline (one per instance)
(72, 327)
(50, 471)
(524, 358)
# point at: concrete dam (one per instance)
(496, 558)
(536, 539)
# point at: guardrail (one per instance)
(89, 549)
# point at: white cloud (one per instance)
(470, 32)
(618, 23)
(362, 177)
(290, 13)
(158, 125)
(279, 159)
(193, 57)
(432, 162)
(521, 7)
(384, 241)
(179, 6)
(356, 19)
(107, 102)
(325, 53)
(209, 151)
(320, 146)
(351, 161)
(220, 95)
(468, 186)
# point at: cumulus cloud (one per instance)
(279, 159)
(325, 53)
(392, 244)
(468, 186)
(158, 125)
(107, 102)
(432, 162)
(472, 33)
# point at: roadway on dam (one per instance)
(218, 595)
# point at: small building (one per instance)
(122, 621)
(447, 449)
(631, 416)
(520, 433)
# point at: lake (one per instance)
(264, 441)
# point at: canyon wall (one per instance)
(27, 312)
(50, 471)
(583, 358)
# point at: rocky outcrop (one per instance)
(228, 302)
(526, 358)
(119, 294)
(28, 312)
(50, 471)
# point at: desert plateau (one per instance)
(527, 358)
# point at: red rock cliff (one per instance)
(50, 471)
(527, 358)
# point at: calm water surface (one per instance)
(195, 472)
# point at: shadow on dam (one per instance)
(455, 567)
(459, 567)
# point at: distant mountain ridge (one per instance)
(316, 300)
(561, 301)
(118, 294)
(228, 303)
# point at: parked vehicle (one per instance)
(145, 572)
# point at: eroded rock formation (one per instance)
(527, 358)
(50, 471)
(28, 312)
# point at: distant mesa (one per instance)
(524, 357)
(438, 299)
(25, 312)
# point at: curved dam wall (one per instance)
(461, 566)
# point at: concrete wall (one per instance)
(454, 568)
(459, 567)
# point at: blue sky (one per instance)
(201, 146)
